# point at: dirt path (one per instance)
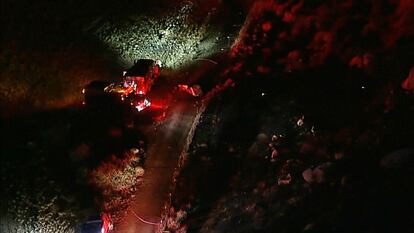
(166, 144)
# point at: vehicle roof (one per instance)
(140, 68)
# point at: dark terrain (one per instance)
(308, 125)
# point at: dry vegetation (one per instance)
(117, 180)
(174, 38)
(45, 80)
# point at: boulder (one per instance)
(308, 175)
(399, 159)
(317, 174)
(408, 83)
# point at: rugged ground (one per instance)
(316, 135)
(49, 51)
(310, 128)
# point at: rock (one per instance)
(308, 227)
(181, 215)
(319, 175)
(307, 175)
(266, 26)
(275, 138)
(362, 61)
(262, 138)
(403, 158)
(338, 155)
(408, 83)
(300, 121)
(275, 154)
(134, 151)
(263, 69)
(260, 146)
(316, 175)
(285, 180)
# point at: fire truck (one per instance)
(132, 90)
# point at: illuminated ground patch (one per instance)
(174, 39)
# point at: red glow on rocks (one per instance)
(356, 62)
(295, 55)
(324, 30)
(267, 26)
(401, 23)
(115, 132)
(217, 89)
(408, 83)
(263, 69)
(288, 17)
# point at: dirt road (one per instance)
(166, 142)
